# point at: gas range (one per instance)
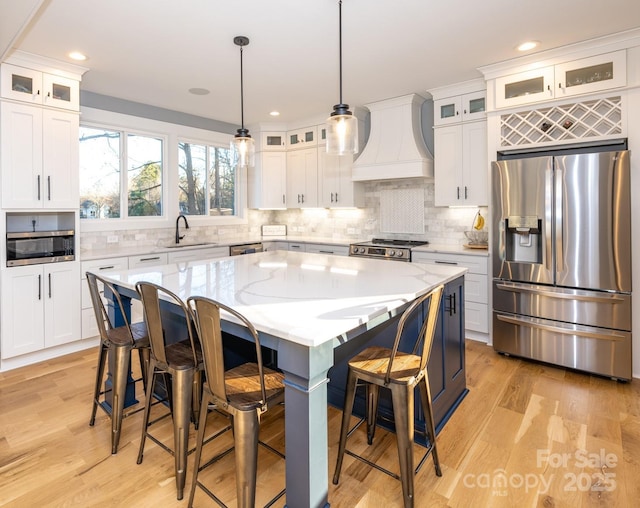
(396, 250)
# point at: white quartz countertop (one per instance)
(301, 297)
(134, 250)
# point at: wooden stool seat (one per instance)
(179, 358)
(400, 372)
(121, 336)
(245, 392)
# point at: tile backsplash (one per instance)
(441, 225)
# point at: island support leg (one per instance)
(307, 462)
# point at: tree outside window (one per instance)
(101, 186)
(207, 180)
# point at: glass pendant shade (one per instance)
(244, 147)
(342, 134)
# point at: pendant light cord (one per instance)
(340, 44)
(241, 92)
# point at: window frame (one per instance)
(171, 134)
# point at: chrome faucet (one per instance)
(186, 225)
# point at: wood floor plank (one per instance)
(521, 421)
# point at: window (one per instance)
(206, 180)
(103, 154)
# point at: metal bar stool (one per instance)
(400, 372)
(116, 341)
(244, 392)
(178, 357)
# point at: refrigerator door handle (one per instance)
(548, 199)
(532, 323)
(524, 288)
(558, 209)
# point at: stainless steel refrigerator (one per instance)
(561, 257)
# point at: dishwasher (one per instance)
(245, 248)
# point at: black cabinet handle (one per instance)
(38, 187)
(48, 188)
(49, 285)
(39, 287)
(452, 304)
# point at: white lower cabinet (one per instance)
(40, 307)
(160, 258)
(97, 266)
(275, 245)
(476, 285)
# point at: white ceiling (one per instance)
(154, 51)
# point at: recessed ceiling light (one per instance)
(198, 91)
(527, 46)
(76, 55)
(275, 113)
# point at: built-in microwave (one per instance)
(36, 247)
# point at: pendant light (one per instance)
(242, 142)
(342, 125)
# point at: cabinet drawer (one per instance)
(476, 288)
(476, 317)
(339, 250)
(197, 254)
(475, 264)
(300, 247)
(148, 259)
(98, 266)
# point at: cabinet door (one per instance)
(302, 138)
(475, 189)
(448, 166)
(272, 141)
(328, 178)
(22, 310)
(21, 155)
(302, 178)
(474, 106)
(525, 87)
(274, 179)
(60, 92)
(60, 178)
(61, 295)
(21, 84)
(592, 74)
(447, 110)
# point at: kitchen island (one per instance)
(306, 307)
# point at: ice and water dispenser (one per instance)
(523, 239)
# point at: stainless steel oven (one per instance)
(381, 248)
(37, 247)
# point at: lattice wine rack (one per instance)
(593, 118)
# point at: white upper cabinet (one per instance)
(460, 145)
(273, 142)
(336, 189)
(576, 77)
(460, 108)
(302, 178)
(302, 138)
(39, 157)
(35, 87)
(267, 180)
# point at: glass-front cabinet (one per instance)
(525, 87)
(576, 77)
(272, 141)
(460, 108)
(302, 138)
(591, 74)
(35, 87)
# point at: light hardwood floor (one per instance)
(525, 435)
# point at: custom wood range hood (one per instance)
(396, 148)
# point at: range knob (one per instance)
(361, 250)
(392, 253)
(400, 253)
